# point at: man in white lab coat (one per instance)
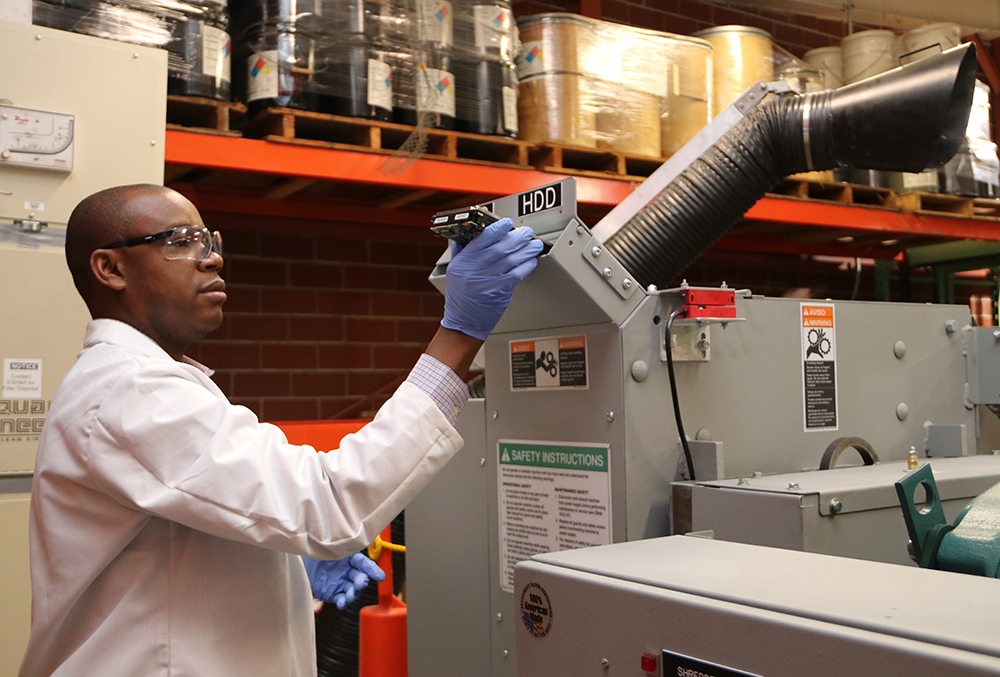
(168, 526)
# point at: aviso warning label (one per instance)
(819, 367)
(548, 363)
(553, 497)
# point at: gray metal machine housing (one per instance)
(741, 394)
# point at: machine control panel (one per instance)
(36, 138)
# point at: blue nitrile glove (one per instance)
(481, 277)
(341, 580)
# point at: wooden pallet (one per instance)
(287, 125)
(937, 203)
(204, 116)
(835, 191)
(597, 163)
(986, 208)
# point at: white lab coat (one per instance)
(166, 523)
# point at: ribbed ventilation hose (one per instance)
(711, 195)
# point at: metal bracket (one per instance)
(920, 519)
(608, 267)
(32, 234)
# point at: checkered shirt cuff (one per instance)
(441, 384)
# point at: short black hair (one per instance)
(99, 220)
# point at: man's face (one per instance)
(178, 301)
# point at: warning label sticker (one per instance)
(548, 363)
(819, 367)
(553, 496)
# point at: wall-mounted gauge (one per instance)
(36, 138)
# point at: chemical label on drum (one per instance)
(379, 84)
(215, 49)
(436, 91)
(530, 60)
(22, 378)
(510, 109)
(819, 363)
(553, 496)
(492, 26)
(436, 25)
(262, 75)
(547, 363)
(685, 666)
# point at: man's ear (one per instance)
(106, 266)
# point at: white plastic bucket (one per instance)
(926, 38)
(830, 60)
(866, 54)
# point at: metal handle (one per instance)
(840, 444)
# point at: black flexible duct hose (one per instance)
(905, 120)
(711, 195)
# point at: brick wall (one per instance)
(316, 323)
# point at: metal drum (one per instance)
(557, 108)
(485, 77)
(592, 83)
(556, 98)
(688, 104)
(743, 56)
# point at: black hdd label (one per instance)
(539, 200)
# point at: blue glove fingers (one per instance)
(496, 259)
(492, 234)
(366, 565)
(529, 251)
(520, 272)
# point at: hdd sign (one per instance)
(539, 200)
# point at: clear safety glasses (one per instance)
(180, 242)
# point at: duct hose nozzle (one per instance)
(908, 119)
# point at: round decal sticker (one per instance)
(536, 610)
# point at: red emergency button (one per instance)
(649, 663)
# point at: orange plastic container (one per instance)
(382, 633)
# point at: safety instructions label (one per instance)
(548, 363)
(819, 367)
(553, 496)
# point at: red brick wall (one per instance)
(314, 324)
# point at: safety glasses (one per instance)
(180, 242)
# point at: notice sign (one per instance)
(548, 363)
(819, 364)
(553, 497)
(22, 379)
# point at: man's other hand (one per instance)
(341, 580)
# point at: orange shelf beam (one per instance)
(871, 219)
(262, 157)
(188, 149)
